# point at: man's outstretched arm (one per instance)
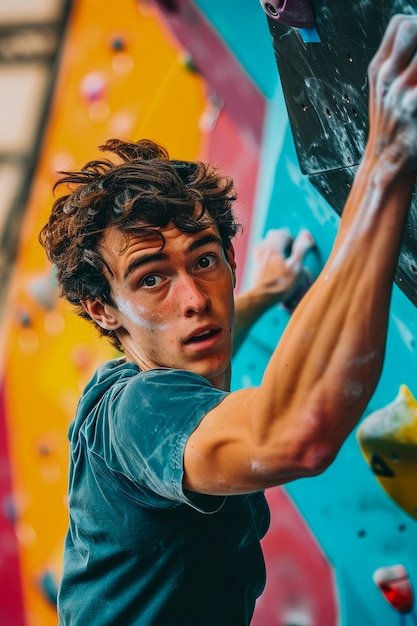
(328, 362)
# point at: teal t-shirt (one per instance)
(140, 550)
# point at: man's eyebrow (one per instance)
(202, 241)
(147, 258)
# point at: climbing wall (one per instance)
(191, 76)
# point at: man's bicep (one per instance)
(218, 437)
(223, 456)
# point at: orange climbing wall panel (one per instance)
(120, 75)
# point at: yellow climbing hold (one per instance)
(388, 441)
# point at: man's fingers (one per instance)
(271, 264)
(279, 239)
(396, 51)
(275, 241)
(398, 40)
(301, 245)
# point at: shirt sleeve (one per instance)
(150, 421)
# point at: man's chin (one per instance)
(220, 378)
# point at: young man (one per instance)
(168, 467)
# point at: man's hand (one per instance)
(278, 276)
(393, 98)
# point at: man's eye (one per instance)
(151, 281)
(206, 261)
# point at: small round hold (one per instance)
(24, 319)
(118, 44)
(93, 86)
(189, 63)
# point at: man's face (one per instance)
(174, 305)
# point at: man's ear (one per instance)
(230, 254)
(103, 314)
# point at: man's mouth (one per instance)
(203, 336)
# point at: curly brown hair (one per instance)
(143, 188)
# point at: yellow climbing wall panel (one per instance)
(120, 75)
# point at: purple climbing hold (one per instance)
(297, 13)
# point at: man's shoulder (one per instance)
(123, 383)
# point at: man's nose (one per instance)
(194, 296)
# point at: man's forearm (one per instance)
(330, 357)
(249, 307)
